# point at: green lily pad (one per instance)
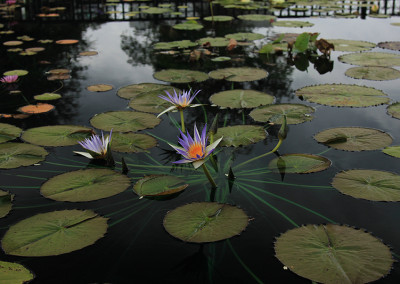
(14, 273)
(245, 36)
(241, 99)
(240, 135)
(143, 89)
(188, 26)
(394, 110)
(343, 95)
(333, 254)
(54, 233)
(300, 163)
(368, 184)
(157, 185)
(181, 44)
(375, 73)
(292, 24)
(239, 74)
(257, 17)
(379, 16)
(16, 72)
(156, 11)
(393, 45)
(150, 102)
(214, 41)
(205, 222)
(57, 135)
(124, 121)
(9, 132)
(132, 142)
(85, 185)
(218, 18)
(221, 59)
(354, 138)
(14, 155)
(180, 76)
(47, 97)
(5, 204)
(295, 113)
(396, 24)
(371, 59)
(393, 151)
(351, 45)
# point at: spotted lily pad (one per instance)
(9, 132)
(394, 110)
(188, 26)
(354, 138)
(54, 233)
(343, 95)
(214, 41)
(241, 99)
(180, 76)
(245, 36)
(132, 142)
(333, 254)
(16, 72)
(174, 44)
(295, 113)
(351, 45)
(14, 155)
(14, 273)
(218, 18)
(57, 135)
(5, 205)
(393, 45)
(205, 222)
(124, 121)
(47, 97)
(158, 185)
(375, 73)
(239, 74)
(85, 185)
(257, 17)
(240, 135)
(144, 89)
(300, 163)
(393, 151)
(292, 24)
(100, 88)
(371, 59)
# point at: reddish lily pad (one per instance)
(67, 41)
(99, 88)
(35, 109)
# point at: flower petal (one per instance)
(166, 110)
(85, 154)
(212, 146)
(198, 163)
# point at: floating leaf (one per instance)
(16, 72)
(67, 41)
(205, 222)
(394, 110)
(34, 49)
(221, 59)
(218, 18)
(99, 88)
(132, 142)
(240, 135)
(354, 138)
(58, 77)
(14, 155)
(59, 71)
(292, 24)
(245, 36)
(9, 132)
(5, 205)
(300, 163)
(174, 44)
(35, 109)
(157, 185)
(124, 121)
(214, 41)
(47, 97)
(144, 89)
(188, 26)
(57, 135)
(241, 99)
(351, 45)
(371, 59)
(333, 254)
(54, 233)
(239, 74)
(85, 185)
(393, 45)
(295, 113)
(156, 11)
(343, 95)
(302, 41)
(88, 53)
(180, 76)
(257, 17)
(150, 102)
(375, 73)
(396, 24)
(12, 43)
(14, 273)
(393, 151)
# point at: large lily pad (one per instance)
(354, 138)
(54, 233)
(5, 203)
(351, 45)
(371, 59)
(343, 95)
(16, 72)
(300, 163)
(132, 142)
(245, 36)
(57, 135)
(181, 44)
(218, 18)
(14, 273)
(85, 185)
(257, 17)
(393, 151)
(205, 222)
(393, 45)
(241, 99)
(137, 90)
(124, 121)
(9, 132)
(180, 76)
(375, 73)
(394, 110)
(150, 103)
(240, 135)
(368, 184)
(214, 41)
(14, 155)
(333, 254)
(239, 74)
(292, 24)
(295, 113)
(158, 185)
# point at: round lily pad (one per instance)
(239, 74)
(14, 155)
(333, 254)
(9, 132)
(54, 233)
(354, 138)
(371, 59)
(245, 36)
(205, 222)
(218, 18)
(180, 76)
(394, 110)
(292, 24)
(88, 53)
(240, 135)
(375, 73)
(16, 72)
(188, 26)
(57, 135)
(35, 109)
(368, 184)
(47, 97)
(12, 43)
(85, 185)
(5, 204)
(150, 102)
(257, 17)
(144, 89)
(397, 24)
(156, 10)
(67, 41)
(157, 185)
(181, 44)
(299, 163)
(295, 113)
(132, 142)
(343, 95)
(351, 45)
(393, 151)
(241, 99)
(221, 59)
(124, 121)
(214, 41)
(393, 45)
(14, 273)
(99, 88)
(34, 49)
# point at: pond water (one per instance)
(136, 247)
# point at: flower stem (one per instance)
(208, 175)
(182, 120)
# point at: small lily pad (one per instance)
(180, 76)
(295, 113)
(218, 18)
(132, 142)
(240, 135)
(156, 11)
(88, 53)
(188, 26)
(393, 151)
(67, 41)
(371, 59)
(99, 88)
(205, 222)
(14, 155)
(144, 89)
(214, 41)
(394, 110)
(351, 45)
(354, 138)
(124, 121)
(47, 97)
(5, 205)
(157, 185)
(181, 44)
(12, 43)
(35, 109)
(14, 273)
(9, 132)
(239, 74)
(333, 254)
(54, 233)
(245, 36)
(16, 72)
(396, 24)
(292, 24)
(375, 73)
(300, 163)
(221, 59)
(257, 17)
(393, 45)
(241, 99)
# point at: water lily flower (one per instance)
(9, 79)
(11, 2)
(179, 100)
(97, 147)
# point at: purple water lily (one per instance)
(9, 79)
(96, 146)
(179, 100)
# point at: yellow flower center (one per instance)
(194, 150)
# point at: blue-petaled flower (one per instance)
(179, 100)
(194, 149)
(97, 147)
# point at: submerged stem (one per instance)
(182, 120)
(208, 175)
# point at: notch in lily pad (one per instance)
(159, 186)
